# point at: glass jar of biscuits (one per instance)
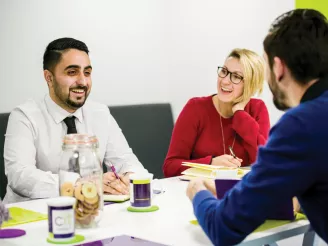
(80, 176)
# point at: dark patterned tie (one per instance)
(70, 123)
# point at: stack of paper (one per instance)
(211, 172)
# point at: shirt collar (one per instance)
(315, 90)
(58, 113)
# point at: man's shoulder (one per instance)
(311, 110)
(309, 118)
(28, 113)
(30, 107)
(95, 107)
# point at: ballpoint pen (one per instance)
(232, 153)
(111, 166)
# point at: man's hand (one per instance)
(115, 186)
(296, 205)
(210, 185)
(194, 186)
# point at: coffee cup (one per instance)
(143, 189)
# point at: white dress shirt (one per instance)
(33, 146)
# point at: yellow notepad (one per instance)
(205, 172)
(116, 198)
(206, 166)
(269, 224)
(22, 216)
(195, 172)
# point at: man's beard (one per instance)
(279, 97)
(77, 105)
(67, 100)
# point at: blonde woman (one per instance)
(208, 127)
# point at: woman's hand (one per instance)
(227, 161)
(240, 106)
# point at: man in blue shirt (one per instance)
(294, 162)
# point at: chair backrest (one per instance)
(148, 129)
(3, 179)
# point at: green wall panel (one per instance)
(321, 5)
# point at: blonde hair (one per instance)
(253, 69)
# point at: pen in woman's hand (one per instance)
(232, 153)
(111, 166)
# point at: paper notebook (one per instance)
(21, 216)
(205, 171)
(195, 172)
(206, 166)
(116, 198)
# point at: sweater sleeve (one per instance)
(277, 176)
(183, 140)
(253, 130)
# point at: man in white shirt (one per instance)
(35, 129)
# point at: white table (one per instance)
(169, 225)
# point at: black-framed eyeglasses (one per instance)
(234, 77)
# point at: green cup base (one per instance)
(142, 210)
(76, 239)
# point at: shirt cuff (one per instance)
(201, 196)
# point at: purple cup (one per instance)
(283, 211)
(141, 190)
(224, 185)
(141, 195)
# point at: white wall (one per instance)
(142, 51)
(202, 35)
(124, 37)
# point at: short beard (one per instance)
(76, 105)
(279, 97)
(67, 100)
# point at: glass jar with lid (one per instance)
(80, 176)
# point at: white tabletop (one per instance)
(169, 225)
